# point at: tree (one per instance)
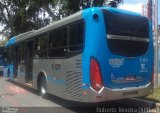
(73, 6)
(20, 16)
(115, 3)
(14, 16)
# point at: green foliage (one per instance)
(20, 16)
(2, 43)
(115, 3)
(72, 6)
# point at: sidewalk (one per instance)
(158, 78)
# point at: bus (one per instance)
(97, 54)
(2, 60)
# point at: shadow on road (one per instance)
(78, 107)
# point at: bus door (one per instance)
(15, 61)
(29, 61)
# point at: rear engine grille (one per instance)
(74, 81)
(127, 48)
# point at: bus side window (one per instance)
(21, 53)
(57, 42)
(41, 46)
(76, 36)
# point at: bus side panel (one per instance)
(21, 74)
(64, 76)
(43, 66)
(73, 88)
(54, 71)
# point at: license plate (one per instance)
(130, 78)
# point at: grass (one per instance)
(154, 97)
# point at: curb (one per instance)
(158, 107)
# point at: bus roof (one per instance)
(12, 40)
(67, 20)
(27, 35)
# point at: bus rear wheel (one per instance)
(43, 87)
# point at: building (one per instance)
(159, 33)
(148, 10)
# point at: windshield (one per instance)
(126, 25)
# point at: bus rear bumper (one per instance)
(114, 94)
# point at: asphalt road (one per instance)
(16, 98)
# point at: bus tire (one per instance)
(43, 87)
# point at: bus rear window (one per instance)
(126, 25)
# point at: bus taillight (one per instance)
(95, 75)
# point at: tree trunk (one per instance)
(46, 7)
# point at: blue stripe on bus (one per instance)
(85, 87)
(60, 82)
(10, 42)
(91, 40)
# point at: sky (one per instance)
(136, 6)
(1, 27)
(159, 12)
(132, 5)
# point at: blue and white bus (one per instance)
(95, 55)
(2, 60)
